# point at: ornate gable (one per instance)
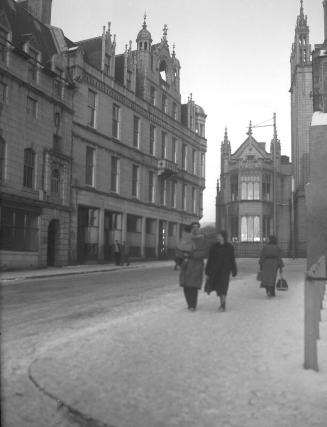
(250, 149)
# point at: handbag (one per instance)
(259, 276)
(281, 284)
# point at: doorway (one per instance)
(53, 230)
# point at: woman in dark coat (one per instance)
(192, 250)
(270, 261)
(221, 263)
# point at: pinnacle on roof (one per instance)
(301, 19)
(225, 135)
(249, 132)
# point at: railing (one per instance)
(167, 168)
(315, 285)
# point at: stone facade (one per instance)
(112, 151)
(146, 149)
(301, 113)
(316, 195)
(254, 196)
(35, 136)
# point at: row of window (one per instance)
(113, 221)
(29, 171)
(56, 181)
(250, 187)
(164, 103)
(252, 229)
(165, 152)
(153, 183)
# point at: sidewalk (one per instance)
(8, 276)
(163, 366)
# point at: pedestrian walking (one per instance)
(125, 253)
(270, 261)
(220, 265)
(117, 251)
(192, 250)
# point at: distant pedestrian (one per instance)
(220, 265)
(192, 250)
(125, 253)
(270, 261)
(117, 251)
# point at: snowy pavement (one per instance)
(163, 366)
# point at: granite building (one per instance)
(36, 118)
(301, 114)
(253, 198)
(130, 155)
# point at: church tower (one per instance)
(301, 98)
(301, 114)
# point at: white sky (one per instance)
(234, 58)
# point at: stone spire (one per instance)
(301, 46)
(225, 145)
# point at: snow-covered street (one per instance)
(162, 365)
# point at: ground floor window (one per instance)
(134, 224)
(250, 229)
(18, 229)
(150, 226)
(88, 233)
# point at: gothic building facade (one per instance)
(301, 114)
(127, 154)
(253, 198)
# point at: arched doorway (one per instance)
(53, 231)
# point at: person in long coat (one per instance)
(270, 261)
(192, 249)
(220, 265)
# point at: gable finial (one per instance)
(249, 132)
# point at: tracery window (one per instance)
(250, 229)
(250, 187)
